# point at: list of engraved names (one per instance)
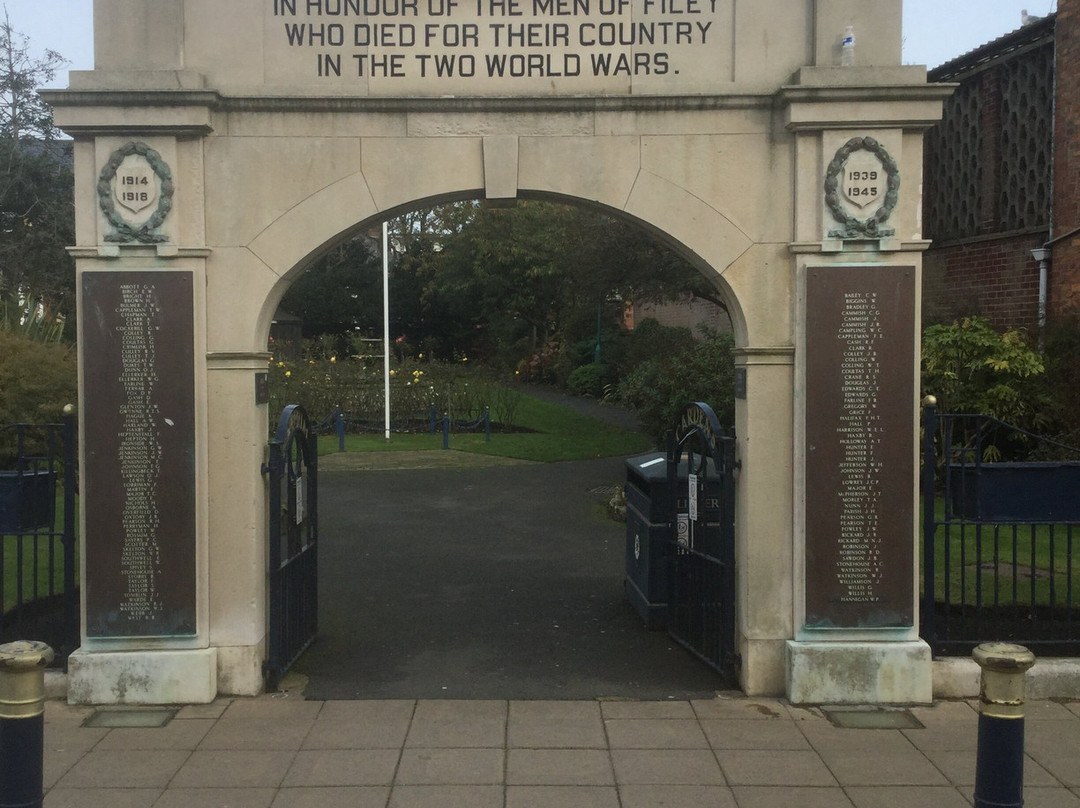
(859, 561)
(860, 396)
(140, 452)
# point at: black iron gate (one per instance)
(294, 532)
(701, 590)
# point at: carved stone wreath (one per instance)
(122, 230)
(854, 228)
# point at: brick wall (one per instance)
(996, 278)
(690, 313)
(984, 213)
(1065, 262)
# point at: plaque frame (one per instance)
(170, 402)
(828, 521)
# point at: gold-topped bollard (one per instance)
(22, 723)
(999, 762)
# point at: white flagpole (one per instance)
(386, 323)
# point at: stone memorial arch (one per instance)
(221, 147)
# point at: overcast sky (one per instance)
(935, 31)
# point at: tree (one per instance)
(23, 113)
(341, 295)
(37, 214)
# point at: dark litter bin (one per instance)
(649, 511)
(657, 517)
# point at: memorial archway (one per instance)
(218, 149)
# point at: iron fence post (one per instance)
(999, 762)
(22, 723)
(71, 606)
(446, 431)
(339, 427)
(929, 527)
(487, 424)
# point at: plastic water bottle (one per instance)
(847, 48)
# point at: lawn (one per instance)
(37, 554)
(555, 433)
(1006, 564)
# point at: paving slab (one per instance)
(576, 767)
(802, 796)
(563, 796)
(653, 754)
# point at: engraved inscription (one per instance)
(859, 562)
(140, 452)
(139, 474)
(860, 442)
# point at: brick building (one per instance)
(1002, 178)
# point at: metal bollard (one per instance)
(999, 761)
(22, 723)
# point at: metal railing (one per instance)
(38, 562)
(1001, 539)
(340, 422)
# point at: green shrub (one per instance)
(659, 388)
(650, 340)
(590, 379)
(37, 379)
(1061, 352)
(971, 368)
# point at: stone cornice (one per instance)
(902, 106)
(73, 99)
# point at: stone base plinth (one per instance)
(859, 672)
(142, 677)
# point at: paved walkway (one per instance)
(281, 751)
(501, 583)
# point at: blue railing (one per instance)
(339, 423)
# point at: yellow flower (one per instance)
(333, 358)
(281, 364)
(288, 373)
(392, 372)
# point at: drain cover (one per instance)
(606, 490)
(130, 718)
(871, 718)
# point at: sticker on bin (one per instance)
(682, 530)
(652, 462)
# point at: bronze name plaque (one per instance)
(139, 436)
(860, 400)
